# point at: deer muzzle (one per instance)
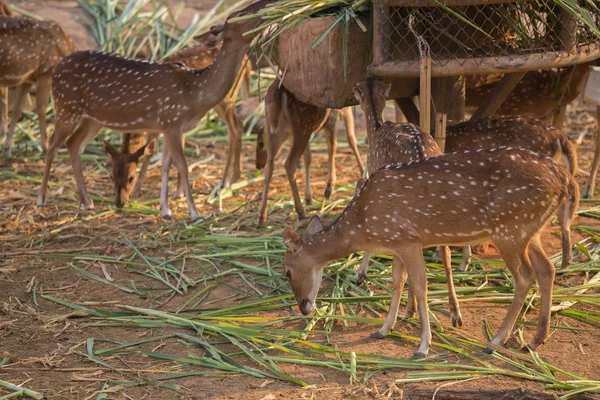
(306, 306)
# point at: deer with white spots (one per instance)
(29, 52)
(93, 89)
(125, 162)
(506, 195)
(5, 11)
(286, 117)
(396, 143)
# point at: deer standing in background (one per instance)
(5, 11)
(288, 117)
(94, 89)
(29, 52)
(505, 195)
(397, 143)
(199, 56)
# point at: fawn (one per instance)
(199, 56)
(93, 89)
(29, 52)
(287, 116)
(503, 194)
(394, 143)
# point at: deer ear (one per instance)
(292, 240)
(109, 149)
(314, 226)
(359, 184)
(358, 93)
(386, 91)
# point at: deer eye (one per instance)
(288, 275)
(131, 178)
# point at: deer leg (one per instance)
(564, 219)
(274, 143)
(544, 272)
(361, 273)
(299, 146)
(20, 96)
(331, 151)
(452, 300)
(3, 109)
(308, 196)
(517, 262)
(411, 303)
(466, 260)
(175, 150)
(588, 191)
(179, 193)
(399, 278)
(42, 97)
(348, 119)
(61, 133)
(137, 189)
(412, 258)
(164, 182)
(75, 144)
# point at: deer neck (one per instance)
(332, 243)
(216, 80)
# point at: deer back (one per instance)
(29, 49)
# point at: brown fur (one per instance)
(286, 117)
(93, 89)
(42, 44)
(503, 194)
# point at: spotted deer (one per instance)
(29, 52)
(93, 89)
(199, 56)
(396, 143)
(5, 11)
(286, 117)
(387, 216)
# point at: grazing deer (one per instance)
(29, 52)
(199, 56)
(396, 143)
(93, 89)
(505, 195)
(288, 117)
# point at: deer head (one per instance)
(235, 30)
(124, 169)
(375, 91)
(300, 269)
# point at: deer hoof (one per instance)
(6, 152)
(178, 196)
(457, 320)
(418, 355)
(378, 335)
(488, 350)
(360, 278)
(327, 193)
(167, 217)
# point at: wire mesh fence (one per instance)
(476, 33)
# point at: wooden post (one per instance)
(425, 94)
(400, 117)
(440, 130)
(498, 95)
(381, 28)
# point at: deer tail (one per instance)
(566, 213)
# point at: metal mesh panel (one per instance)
(482, 32)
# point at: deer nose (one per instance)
(306, 306)
(119, 203)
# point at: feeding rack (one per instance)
(478, 36)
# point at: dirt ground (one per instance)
(45, 342)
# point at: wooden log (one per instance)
(491, 65)
(498, 95)
(316, 75)
(452, 393)
(591, 92)
(425, 94)
(400, 117)
(440, 131)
